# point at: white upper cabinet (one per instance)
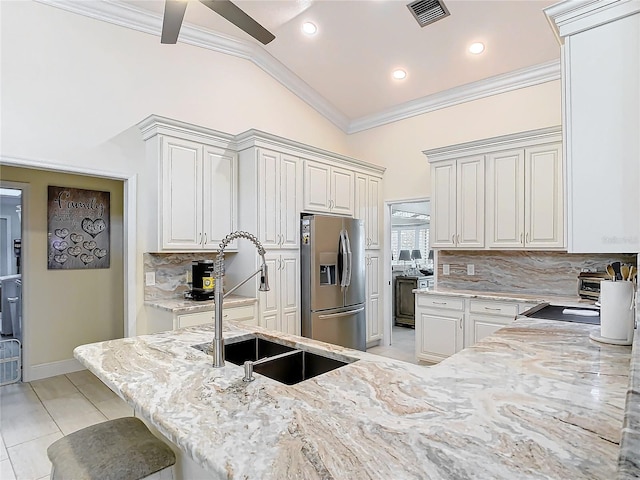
(368, 206)
(457, 219)
(601, 97)
(525, 198)
(279, 199)
(196, 174)
(504, 192)
(328, 189)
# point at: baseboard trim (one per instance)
(51, 369)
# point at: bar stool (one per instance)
(120, 449)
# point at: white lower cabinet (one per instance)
(163, 320)
(446, 324)
(439, 327)
(279, 307)
(373, 306)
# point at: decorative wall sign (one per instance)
(78, 228)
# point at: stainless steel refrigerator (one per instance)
(333, 280)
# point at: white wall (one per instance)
(399, 146)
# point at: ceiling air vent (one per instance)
(428, 11)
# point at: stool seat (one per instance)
(120, 449)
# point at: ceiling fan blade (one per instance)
(235, 15)
(173, 15)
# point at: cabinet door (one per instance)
(192, 319)
(443, 204)
(505, 199)
(374, 208)
(470, 202)
(317, 187)
(290, 201)
(269, 302)
(483, 327)
(438, 334)
(268, 198)
(290, 293)
(341, 191)
(220, 197)
(544, 197)
(372, 272)
(602, 74)
(361, 200)
(181, 195)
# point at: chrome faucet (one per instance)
(218, 273)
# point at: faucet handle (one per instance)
(248, 371)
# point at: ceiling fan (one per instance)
(174, 13)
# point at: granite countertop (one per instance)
(537, 399)
(183, 305)
(505, 296)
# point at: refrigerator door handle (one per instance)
(349, 259)
(342, 259)
(342, 314)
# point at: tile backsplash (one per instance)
(521, 271)
(171, 272)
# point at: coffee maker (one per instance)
(203, 283)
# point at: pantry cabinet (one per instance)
(525, 198)
(500, 193)
(373, 310)
(368, 207)
(600, 46)
(279, 307)
(196, 177)
(458, 203)
(328, 189)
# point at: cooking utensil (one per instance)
(616, 269)
(633, 272)
(611, 273)
(624, 271)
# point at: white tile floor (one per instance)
(34, 415)
(403, 346)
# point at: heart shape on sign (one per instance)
(92, 227)
(75, 250)
(76, 237)
(61, 258)
(100, 252)
(90, 245)
(61, 232)
(60, 245)
(86, 259)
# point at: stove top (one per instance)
(565, 314)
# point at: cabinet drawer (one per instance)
(435, 301)
(193, 319)
(247, 312)
(489, 307)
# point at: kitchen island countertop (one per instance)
(538, 399)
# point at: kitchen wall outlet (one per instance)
(471, 269)
(445, 269)
(150, 279)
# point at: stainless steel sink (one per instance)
(297, 367)
(279, 362)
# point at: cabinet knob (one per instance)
(526, 239)
(460, 323)
(205, 238)
(521, 238)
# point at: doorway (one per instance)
(11, 231)
(409, 265)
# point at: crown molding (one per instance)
(503, 142)
(525, 77)
(571, 17)
(125, 15)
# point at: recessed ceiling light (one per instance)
(309, 28)
(399, 74)
(476, 48)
